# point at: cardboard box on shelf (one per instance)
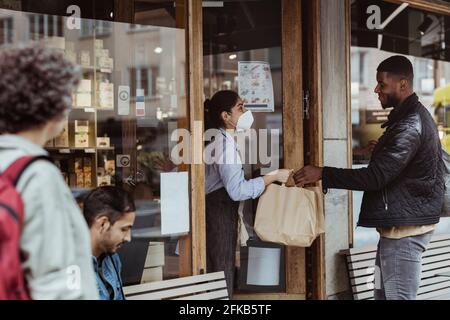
(50, 143)
(85, 58)
(110, 167)
(155, 255)
(103, 142)
(105, 62)
(87, 179)
(81, 140)
(106, 95)
(85, 86)
(62, 141)
(98, 44)
(80, 180)
(152, 274)
(78, 165)
(102, 53)
(81, 126)
(83, 99)
(103, 180)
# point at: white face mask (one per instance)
(245, 121)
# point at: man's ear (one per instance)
(403, 84)
(102, 223)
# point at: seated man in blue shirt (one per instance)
(110, 213)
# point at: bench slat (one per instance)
(158, 295)
(363, 295)
(427, 296)
(425, 261)
(424, 292)
(423, 283)
(372, 255)
(207, 296)
(433, 243)
(362, 272)
(434, 287)
(151, 286)
(361, 280)
(436, 265)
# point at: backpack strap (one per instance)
(15, 170)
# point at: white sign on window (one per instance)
(174, 203)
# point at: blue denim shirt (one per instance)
(108, 275)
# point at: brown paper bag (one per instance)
(290, 215)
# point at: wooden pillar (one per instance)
(185, 242)
(293, 123)
(197, 170)
(316, 278)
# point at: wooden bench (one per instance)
(434, 285)
(210, 286)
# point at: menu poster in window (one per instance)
(255, 86)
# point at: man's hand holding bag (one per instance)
(290, 215)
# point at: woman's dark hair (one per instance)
(109, 201)
(36, 86)
(221, 101)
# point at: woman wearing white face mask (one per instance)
(225, 181)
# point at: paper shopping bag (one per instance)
(290, 215)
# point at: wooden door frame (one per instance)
(293, 154)
(436, 6)
(194, 41)
(315, 258)
(293, 134)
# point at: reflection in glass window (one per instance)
(424, 39)
(6, 31)
(129, 101)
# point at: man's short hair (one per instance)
(36, 85)
(397, 65)
(109, 201)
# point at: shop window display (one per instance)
(129, 101)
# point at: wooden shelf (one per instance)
(98, 69)
(91, 109)
(68, 150)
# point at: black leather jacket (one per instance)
(403, 183)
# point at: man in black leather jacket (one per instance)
(403, 184)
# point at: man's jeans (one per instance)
(398, 267)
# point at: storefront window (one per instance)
(422, 37)
(131, 98)
(237, 33)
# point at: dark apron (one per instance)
(221, 234)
